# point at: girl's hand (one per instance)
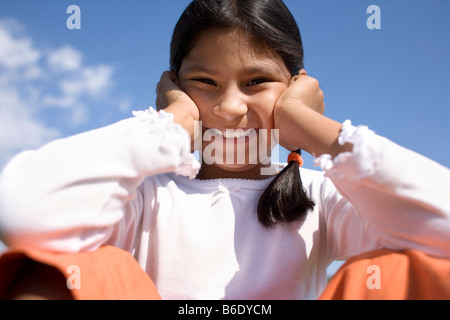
(298, 114)
(303, 92)
(173, 100)
(306, 90)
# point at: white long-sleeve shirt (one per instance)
(132, 185)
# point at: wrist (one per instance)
(185, 118)
(304, 128)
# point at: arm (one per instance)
(175, 101)
(69, 195)
(300, 109)
(399, 197)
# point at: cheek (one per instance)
(199, 97)
(271, 96)
(264, 103)
(203, 103)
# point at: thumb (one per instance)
(301, 73)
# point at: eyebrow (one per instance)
(262, 69)
(249, 70)
(199, 68)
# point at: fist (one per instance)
(305, 90)
(174, 100)
(293, 108)
(169, 94)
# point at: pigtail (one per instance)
(285, 200)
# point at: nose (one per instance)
(232, 104)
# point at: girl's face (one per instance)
(235, 84)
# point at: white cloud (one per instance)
(15, 52)
(89, 80)
(19, 129)
(35, 80)
(65, 59)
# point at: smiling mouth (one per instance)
(234, 133)
(240, 146)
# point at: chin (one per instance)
(236, 167)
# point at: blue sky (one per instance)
(55, 82)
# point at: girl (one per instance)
(225, 229)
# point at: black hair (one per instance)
(270, 23)
(285, 199)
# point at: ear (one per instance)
(302, 72)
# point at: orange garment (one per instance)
(391, 275)
(107, 274)
(113, 274)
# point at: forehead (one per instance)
(230, 49)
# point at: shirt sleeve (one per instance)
(397, 199)
(69, 194)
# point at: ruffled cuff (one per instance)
(361, 162)
(175, 143)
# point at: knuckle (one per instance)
(321, 94)
(315, 83)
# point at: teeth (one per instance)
(233, 134)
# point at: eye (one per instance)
(206, 81)
(256, 82)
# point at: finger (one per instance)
(298, 77)
(166, 77)
(169, 81)
(169, 75)
(158, 87)
(166, 85)
(294, 79)
(159, 105)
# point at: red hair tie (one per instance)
(294, 156)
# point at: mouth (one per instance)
(236, 146)
(234, 133)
